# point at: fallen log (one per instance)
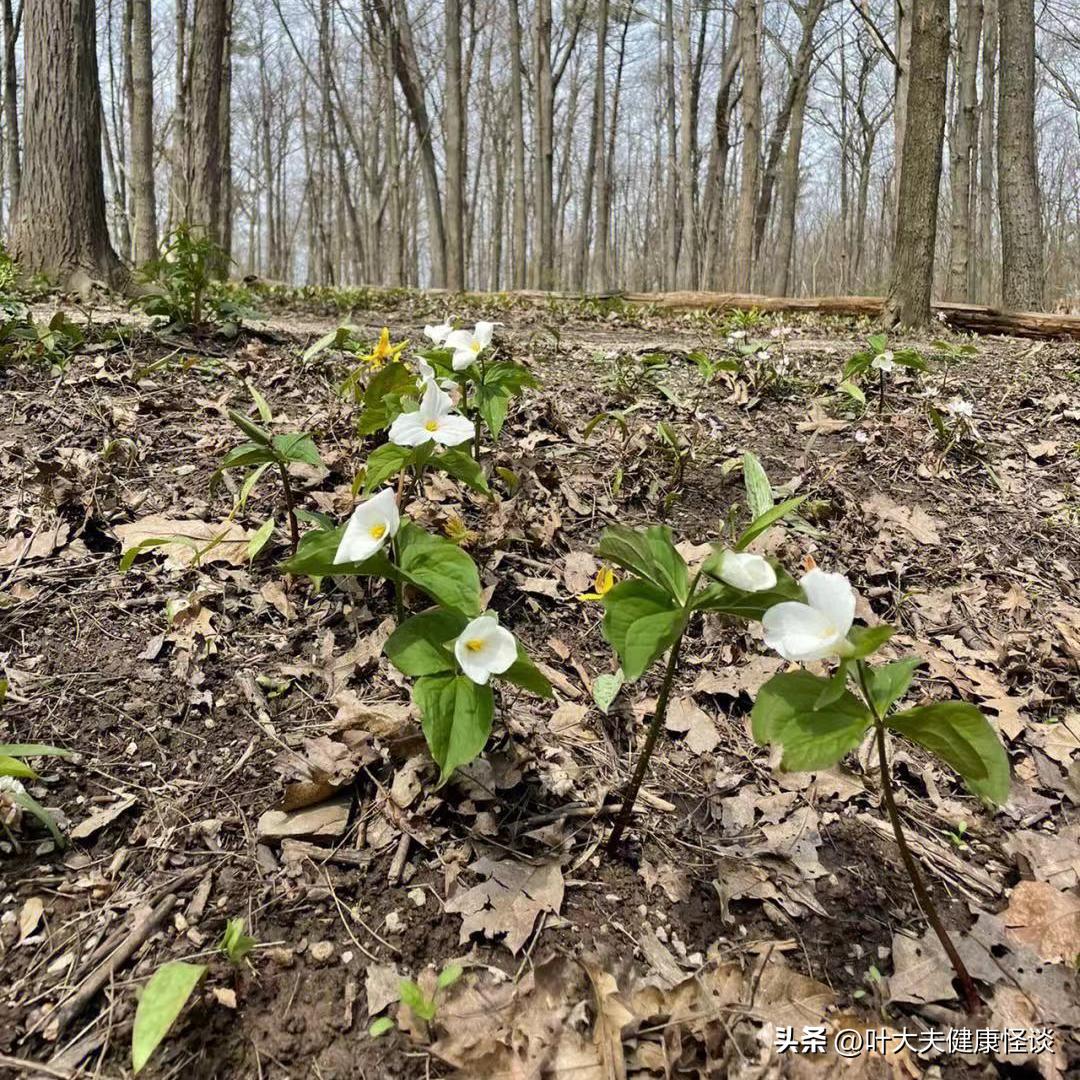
(977, 318)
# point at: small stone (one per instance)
(418, 897)
(394, 923)
(346, 956)
(327, 821)
(321, 951)
(661, 934)
(281, 957)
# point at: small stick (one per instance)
(398, 865)
(139, 933)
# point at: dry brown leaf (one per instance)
(382, 986)
(685, 715)
(85, 829)
(509, 901)
(1046, 919)
(1051, 857)
(224, 541)
(28, 547)
(912, 519)
(579, 571)
(29, 916)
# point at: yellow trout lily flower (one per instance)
(384, 351)
(602, 584)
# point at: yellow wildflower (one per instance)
(603, 583)
(384, 351)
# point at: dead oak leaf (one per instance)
(187, 539)
(912, 519)
(686, 716)
(510, 900)
(1045, 919)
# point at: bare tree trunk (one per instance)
(1018, 181)
(519, 268)
(60, 227)
(962, 145)
(178, 189)
(670, 172)
(545, 150)
(225, 213)
(601, 268)
(987, 107)
(455, 150)
(594, 158)
(716, 177)
(908, 300)
(203, 208)
(13, 162)
(142, 132)
(749, 51)
(687, 254)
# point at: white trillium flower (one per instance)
(818, 628)
(438, 334)
(372, 525)
(427, 374)
(746, 571)
(959, 407)
(484, 648)
(764, 355)
(434, 420)
(469, 344)
(884, 361)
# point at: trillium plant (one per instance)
(878, 359)
(487, 384)
(453, 650)
(817, 720)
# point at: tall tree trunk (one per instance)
(987, 107)
(1018, 181)
(544, 246)
(519, 267)
(13, 162)
(749, 51)
(205, 165)
(178, 189)
(670, 172)
(225, 214)
(594, 157)
(716, 177)
(687, 253)
(601, 265)
(455, 150)
(142, 132)
(60, 227)
(961, 147)
(789, 189)
(908, 300)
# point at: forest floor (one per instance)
(751, 900)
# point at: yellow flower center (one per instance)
(378, 531)
(432, 425)
(474, 645)
(475, 345)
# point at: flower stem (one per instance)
(399, 588)
(290, 506)
(881, 393)
(922, 894)
(631, 793)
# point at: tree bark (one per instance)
(962, 146)
(594, 165)
(60, 227)
(908, 300)
(455, 150)
(205, 147)
(142, 132)
(987, 107)
(13, 162)
(544, 245)
(749, 50)
(519, 267)
(1018, 181)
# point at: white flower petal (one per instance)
(833, 596)
(746, 571)
(435, 403)
(371, 526)
(459, 339)
(453, 430)
(437, 334)
(409, 429)
(484, 648)
(799, 632)
(464, 359)
(483, 333)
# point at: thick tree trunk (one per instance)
(1018, 181)
(205, 149)
(60, 227)
(13, 162)
(987, 108)
(519, 266)
(455, 150)
(908, 301)
(544, 245)
(142, 132)
(751, 149)
(961, 147)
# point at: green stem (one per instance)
(922, 894)
(290, 506)
(399, 587)
(631, 793)
(881, 393)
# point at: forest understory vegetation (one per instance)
(456, 686)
